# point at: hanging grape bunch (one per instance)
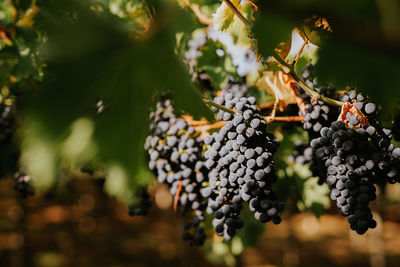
(22, 184)
(356, 155)
(240, 159)
(175, 153)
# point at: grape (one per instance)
(349, 156)
(357, 159)
(176, 159)
(247, 162)
(22, 184)
(350, 181)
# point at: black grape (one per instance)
(175, 157)
(22, 185)
(240, 159)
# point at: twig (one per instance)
(237, 12)
(298, 55)
(267, 105)
(178, 191)
(253, 5)
(289, 70)
(202, 18)
(205, 128)
(196, 10)
(269, 119)
(191, 122)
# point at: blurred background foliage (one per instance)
(85, 74)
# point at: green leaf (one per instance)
(224, 16)
(91, 57)
(370, 69)
(270, 30)
(362, 51)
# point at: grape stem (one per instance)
(202, 18)
(298, 55)
(204, 128)
(237, 12)
(270, 119)
(266, 105)
(178, 191)
(267, 119)
(203, 124)
(253, 5)
(218, 106)
(289, 70)
(196, 10)
(191, 122)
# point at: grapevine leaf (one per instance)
(270, 30)
(369, 69)
(283, 48)
(224, 16)
(315, 29)
(91, 57)
(278, 84)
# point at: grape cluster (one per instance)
(175, 153)
(350, 155)
(240, 159)
(346, 153)
(140, 206)
(355, 157)
(22, 184)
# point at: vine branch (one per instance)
(289, 70)
(202, 18)
(208, 127)
(196, 10)
(218, 106)
(267, 105)
(300, 52)
(269, 119)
